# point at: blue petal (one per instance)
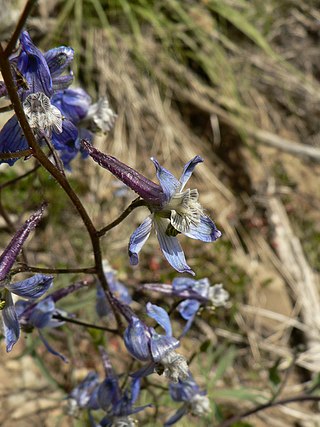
(62, 82)
(34, 68)
(188, 308)
(183, 391)
(118, 289)
(42, 313)
(12, 139)
(102, 306)
(160, 345)
(188, 169)
(67, 138)
(83, 392)
(168, 182)
(144, 371)
(206, 231)
(160, 316)
(187, 327)
(170, 247)
(108, 392)
(51, 350)
(32, 288)
(138, 239)
(58, 59)
(73, 103)
(10, 322)
(137, 338)
(182, 284)
(176, 417)
(135, 389)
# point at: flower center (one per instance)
(184, 210)
(42, 116)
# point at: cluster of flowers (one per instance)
(64, 118)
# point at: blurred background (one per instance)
(236, 82)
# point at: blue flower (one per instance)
(37, 76)
(173, 209)
(108, 396)
(195, 293)
(195, 401)
(44, 314)
(31, 288)
(118, 289)
(146, 345)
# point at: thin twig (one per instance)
(16, 154)
(23, 18)
(85, 324)
(24, 267)
(18, 178)
(238, 417)
(135, 204)
(6, 108)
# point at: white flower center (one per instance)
(102, 115)
(124, 422)
(200, 405)
(42, 116)
(175, 366)
(184, 210)
(217, 295)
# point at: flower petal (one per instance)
(102, 306)
(206, 231)
(62, 82)
(34, 68)
(176, 417)
(41, 315)
(51, 350)
(137, 338)
(12, 139)
(182, 283)
(58, 59)
(188, 308)
(161, 345)
(138, 239)
(168, 182)
(10, 322)
(31, 288)
(160, 316)
(170, 247)
(73, 103)
(188, 169)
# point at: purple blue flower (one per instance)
(44, 314)
(147, 345)
(173, 210)
(108, 396)
(37, 76)
(194, 294)
(195, 401)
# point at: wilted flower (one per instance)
(146, 345)
(195, 293)
(31, 288)
(196, 401)
(173, 209)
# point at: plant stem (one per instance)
(18, 178)
(85, 324)
(24, 267)
(23, 18)
(238, 417)
(136, 203)
(16, 155)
